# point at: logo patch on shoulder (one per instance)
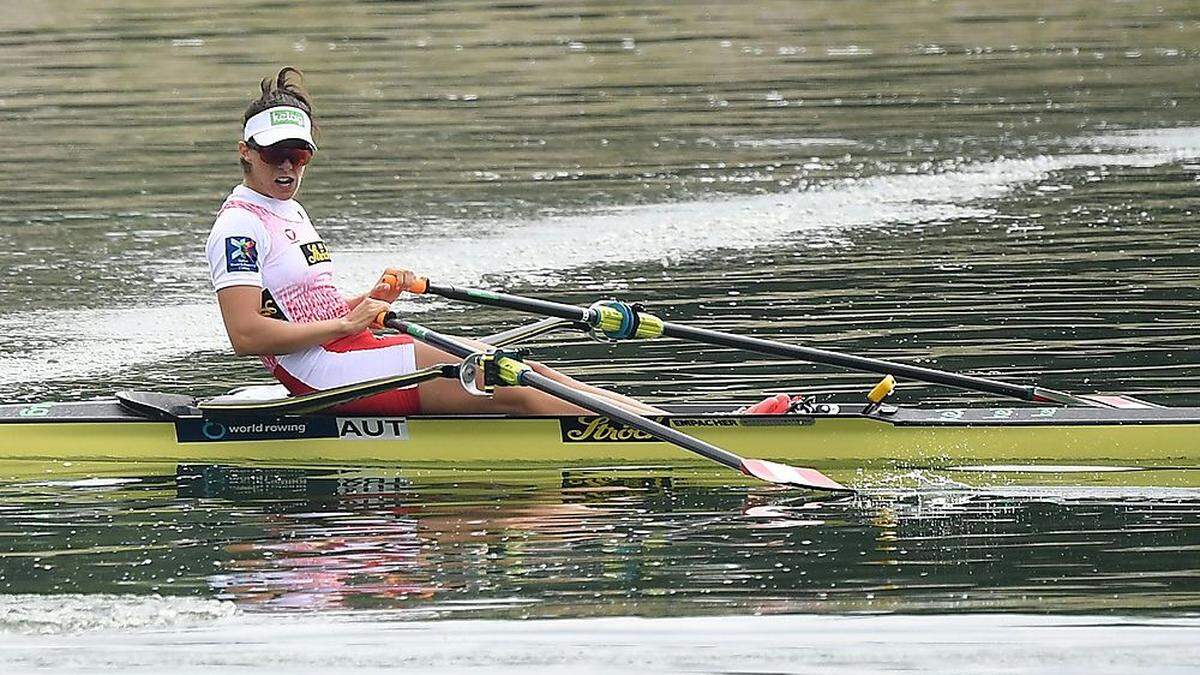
(241, 254)
(315, 252)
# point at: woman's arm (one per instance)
(252, 333)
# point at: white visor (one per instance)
(281, 123)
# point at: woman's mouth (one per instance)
(285, 181)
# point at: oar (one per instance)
(620, 321)
(511, 372)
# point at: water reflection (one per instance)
(637, 541)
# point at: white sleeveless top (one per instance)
(271, 244)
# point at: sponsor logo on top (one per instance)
(216, 430)
(250, 429)
(315, 252)
(705, 422)
(35, 410)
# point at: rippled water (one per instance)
(1003, 188)
(175, 568)
(599, 544)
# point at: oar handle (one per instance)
(391, 279)
(389, 287)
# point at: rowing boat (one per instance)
(154, 427)
(1064, 433)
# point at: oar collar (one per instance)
(618, 320)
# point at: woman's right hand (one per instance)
(392, 283)
(363, 315)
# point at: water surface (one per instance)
(1004, 189)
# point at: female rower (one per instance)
(273, 275)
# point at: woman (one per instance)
(274, 281)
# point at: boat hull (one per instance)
(1033, 438)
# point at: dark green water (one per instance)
(1004, 188)
(522, 545)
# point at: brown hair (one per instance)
(284, 88)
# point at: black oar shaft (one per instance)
(772, 347)
(533, 305)
(868, 364)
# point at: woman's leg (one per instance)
(630, 404)
(443, 396)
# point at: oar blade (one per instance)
(782, 474)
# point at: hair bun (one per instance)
(288, 82)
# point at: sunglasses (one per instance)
(276, 156)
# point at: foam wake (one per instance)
(372, 642)
(75, 613)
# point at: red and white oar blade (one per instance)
(783, 474)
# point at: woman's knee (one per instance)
(526, 401)
(518, 400)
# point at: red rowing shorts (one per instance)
(356, 358)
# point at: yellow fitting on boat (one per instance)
(509, 370)
(881, 391)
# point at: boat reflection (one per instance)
(520, 542)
